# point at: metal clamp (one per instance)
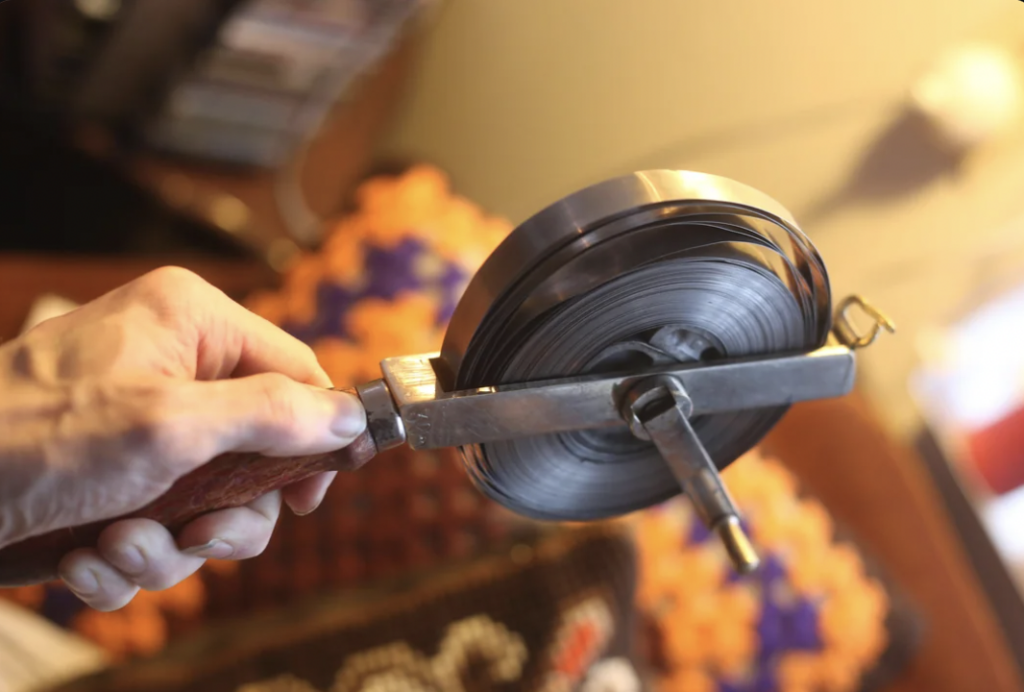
(434, 418)
(845, 331)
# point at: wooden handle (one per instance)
(230, 480)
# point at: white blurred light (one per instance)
(971, 94)
(100, 10)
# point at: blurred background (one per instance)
(257, 142)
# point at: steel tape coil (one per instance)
(715, 267)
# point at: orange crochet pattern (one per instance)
(810, 619)
(388, 276)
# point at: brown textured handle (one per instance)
(230, 480)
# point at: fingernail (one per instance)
(304, 512)
(349, 415)
(82, 581)
(214, 550)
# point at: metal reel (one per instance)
(653, 268)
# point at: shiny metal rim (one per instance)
(571, 224)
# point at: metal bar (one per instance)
(436, 419)
(679, 446)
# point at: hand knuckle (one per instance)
(278, 393)
(169, 291)
(173, 278)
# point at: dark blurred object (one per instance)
(243, 82)
(78, 179)
(55, 199)
(544, 614)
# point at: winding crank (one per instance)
(627, 342)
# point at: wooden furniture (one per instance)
(24, 278)
(882, 493)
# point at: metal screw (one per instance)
(648, 392)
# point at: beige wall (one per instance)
(526, 100)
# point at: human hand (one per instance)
(102, 409)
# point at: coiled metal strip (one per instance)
(588, 282)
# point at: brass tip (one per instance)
(737, 545)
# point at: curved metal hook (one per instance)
(847, 333)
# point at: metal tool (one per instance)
(624, 344)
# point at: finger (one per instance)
(252, 345)
(230, 340)
(269, 414)
(306, 495)
(233, 534)
(95, 581)
(146, 554)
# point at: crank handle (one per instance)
(658, 409)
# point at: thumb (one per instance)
(270, 414)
